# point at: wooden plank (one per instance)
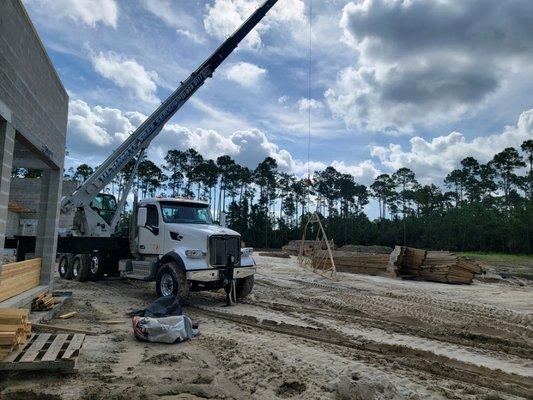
(74, 345)
(55, 347)
(69, 315)
(56, 328)
(35, 347)
(11, 357)
(15, 265)
(56, 365)
(15, 311)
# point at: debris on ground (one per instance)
(68, 315)
(163, 322)
(14, 329)
(301, 336)
(43, 302)
(435, 266)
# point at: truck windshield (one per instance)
(176, 213)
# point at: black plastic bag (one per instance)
(167, 306)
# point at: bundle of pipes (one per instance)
(14, 329)
(436, 266)
(360, 263)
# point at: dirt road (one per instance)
(301, 336)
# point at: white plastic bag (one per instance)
(164, 330)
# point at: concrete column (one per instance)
(46, 244)
(7, 145)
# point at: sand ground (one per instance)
(301, 336)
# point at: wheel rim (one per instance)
(75, 267)
(94, 265)
(63, 267)
(167, 285)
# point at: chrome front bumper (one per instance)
(213, 275)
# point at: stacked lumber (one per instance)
(43, 302)
(18, 277)
(442, 266)
(14, 329)
(366, 249)
(359, 263)
(406, 262)
(435, 266)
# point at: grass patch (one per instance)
(499, 257)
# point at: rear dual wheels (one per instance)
(65, 266)
(80, 267)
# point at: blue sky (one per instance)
(420, 84)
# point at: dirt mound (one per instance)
(291, 388)
(277, 254)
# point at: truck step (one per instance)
(136, 277)
(135, 269)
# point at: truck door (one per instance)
(149, 234)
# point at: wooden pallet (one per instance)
(45, 351)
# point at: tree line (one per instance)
(479, 207)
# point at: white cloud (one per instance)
(94, 132)
(432, 160)
(174, 17)
(102, 127)
(128, 74)
(89, 12)
(245, 74)
(306, 104)
(427, 62)
(223, 17)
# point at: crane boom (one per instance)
(152, 126)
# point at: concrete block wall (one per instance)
(26, 192)
(29, 85)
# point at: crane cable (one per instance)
(309, 93)
(309, 90)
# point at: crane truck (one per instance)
(170, 241)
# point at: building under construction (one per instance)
(33, 125)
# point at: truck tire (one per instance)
(80, 267)
(244, 286)
(171, 280)
(96, 267)
(64, 266)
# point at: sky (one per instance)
(394, 83)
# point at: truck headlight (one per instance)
(247, 251)
(194, 253)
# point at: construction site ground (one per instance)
(301, 336)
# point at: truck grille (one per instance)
(221, 247)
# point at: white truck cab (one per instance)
(178, 245)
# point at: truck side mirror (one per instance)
(141, 216)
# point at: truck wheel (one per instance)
(96, 267)
(65, 266)
(80, 267)
(244, 286)
(171, 280)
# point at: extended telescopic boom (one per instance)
(149, 129)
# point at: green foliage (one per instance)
(485, 207)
